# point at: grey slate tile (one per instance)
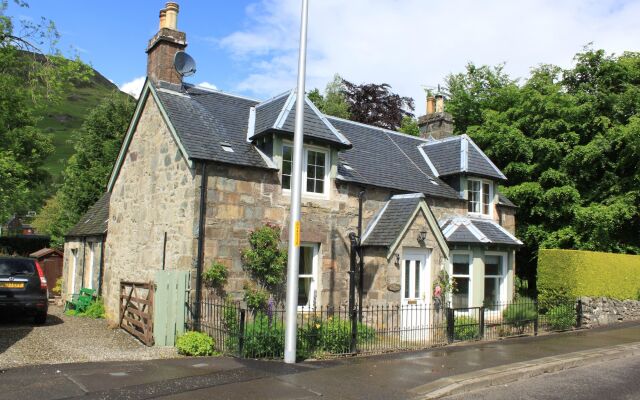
(94, 221)
(393, 219)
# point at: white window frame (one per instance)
(502, 289)
(469, 275)
(74, 269)
(313, 287)
(305, 155)
(91, 263)
(482, 195)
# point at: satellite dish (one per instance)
(184, 64)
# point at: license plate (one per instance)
(12, 285)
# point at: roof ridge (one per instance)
(218, 91)
(274, 98)
(377, 128)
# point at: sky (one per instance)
(250, 47)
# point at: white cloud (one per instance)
(207, 85)
(412, 43)
(133, 87)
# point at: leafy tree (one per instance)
(87, 172)
(375, 104)
(333, 101)
(568, 139)
(409, 126)
(29, 80)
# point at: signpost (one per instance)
(296, 186)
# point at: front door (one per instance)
(415, 284)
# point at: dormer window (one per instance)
(315, 169)
(479, 195)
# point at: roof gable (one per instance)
(482, 231)
(278, 114)
(459, 154)
(395, 218)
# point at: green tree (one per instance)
(569, 142)
(409, 126)
(333, 101)
(85, 177)
(29, 80)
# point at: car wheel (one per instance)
(40, 318)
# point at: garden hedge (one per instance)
(569, 274)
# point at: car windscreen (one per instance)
(16, 266)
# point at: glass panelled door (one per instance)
(415, 292)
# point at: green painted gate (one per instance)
(169, 306)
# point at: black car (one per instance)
(23, 288)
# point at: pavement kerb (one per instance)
(504, 374)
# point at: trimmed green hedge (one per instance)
(568, 274)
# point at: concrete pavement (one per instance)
(392, 376)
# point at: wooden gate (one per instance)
(136, 310)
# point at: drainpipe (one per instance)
(200, 256)
(360, 255)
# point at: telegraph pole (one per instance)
(296, 186)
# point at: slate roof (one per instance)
(206, 119)
(388, 224)
(459, 154)
(94, 221)
(384, 158)
(504, 201)
(482, 231)
(279, 114)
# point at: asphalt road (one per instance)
(610, 380)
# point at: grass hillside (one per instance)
(61, 120)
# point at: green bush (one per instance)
(57, 289)
(335, 335)
(564, 275)
(195, 344)
(520, 313)
(263, 338)
(255, 298)
(561, 317)
(265, 260)
(215, 275)
(95, 309)
(465, 328)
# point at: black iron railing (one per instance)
(327, 331)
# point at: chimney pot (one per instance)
(163, 18)
(431, 105)
(439, 103)
(172, 15)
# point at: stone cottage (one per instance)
(199, 169)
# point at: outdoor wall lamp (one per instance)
(422, 236)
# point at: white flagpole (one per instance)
(296, 184)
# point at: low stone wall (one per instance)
(598, 311)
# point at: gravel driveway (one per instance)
(65, 339)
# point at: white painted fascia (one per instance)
(251, 126)
(266, 158)
(146, 90)
(432, 167)
(478, 233)
(485, 156)
(408, 196)
(284, 113)
(324, 119)
(274, 98)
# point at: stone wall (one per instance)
(242, 199)
(598, 311)
(155, 193)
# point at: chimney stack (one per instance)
(163, 47)
(436, 124)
